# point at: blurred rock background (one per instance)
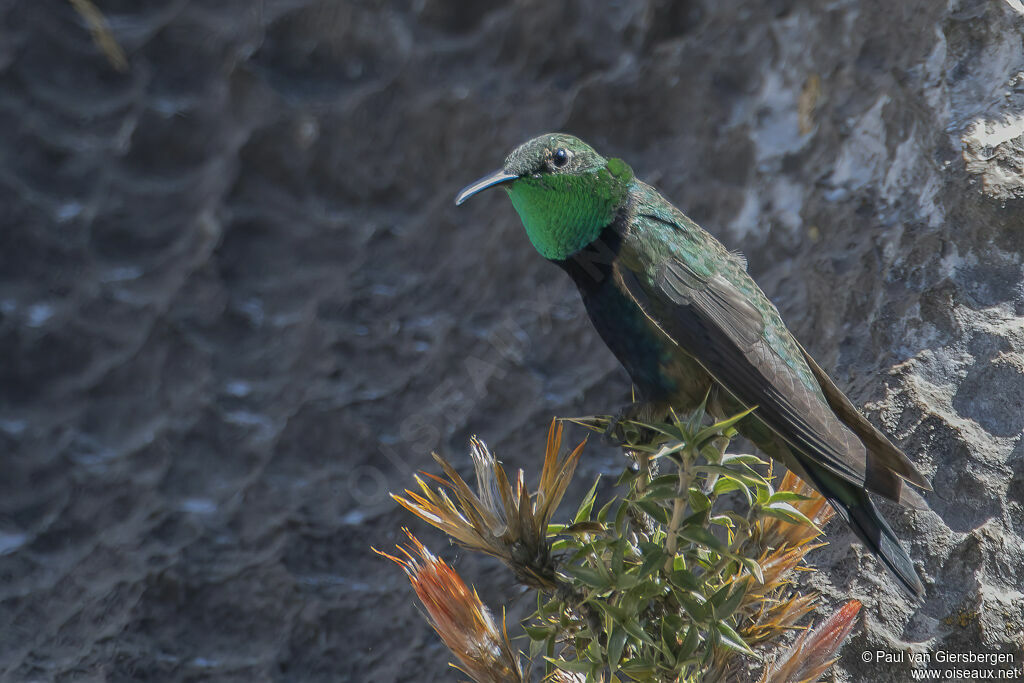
(237, 304)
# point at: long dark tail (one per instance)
(851, 502)
(878, 536)
(854, 505)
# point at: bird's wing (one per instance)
(710, 318)
(883, 454)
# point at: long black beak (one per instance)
(490, 180)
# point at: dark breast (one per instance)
(659, 368)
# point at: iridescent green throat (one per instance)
(564, 213)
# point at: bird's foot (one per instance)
(623, 429)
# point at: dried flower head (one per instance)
(500, 519)
(783, 546)
(459, 617)
(814, 651)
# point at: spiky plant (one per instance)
(685, 576)
(459, 617)
(500, 519)
(814, 651)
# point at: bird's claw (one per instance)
(621, 434)
(611, 437)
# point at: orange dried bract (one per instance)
(459, 617)
(500, 518)
(814, 651)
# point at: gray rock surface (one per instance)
(237, 304)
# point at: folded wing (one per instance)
(710, 318)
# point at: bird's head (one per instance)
(564, 191)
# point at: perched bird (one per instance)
(682, 315)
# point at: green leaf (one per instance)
(664, 480)
(621, 518)
(701, 536)
(696, 417)
(738, 520)
(628, 476)
(705, 438)
(613, 612)
(660, 514)
(684, 579)
(668, 449)
(549, 608)
(753, 567)
(723, 520)
(740, 473)
(648, 547)
(633, 597)
(698, 500)
(671, 625)
(723, 428)
(632, 627)
(597, 549)
(536, 647)
(660, 492)
(671, 431)
(711, 452)
(693, 605)
(618, 558)
(562, 544)
(714, 638)
(595, 423)
(639, 669)
(538, 632)
(725, 608)
(583, 513)
(584, 528)
(730, 421)
(667, 650)
(690, 642)
(626, 580)
(719, 596)
(741, 459)
(653, 560)
(577, 667)
(788, 513)
(727, 483)
(587, 575)
(698, 518)
(731, 639)
(616, 644)
(786, 497)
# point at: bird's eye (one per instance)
(560, 158)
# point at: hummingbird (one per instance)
(689, 324)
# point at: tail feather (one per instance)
(859, 512)
(888, 484)
(878, 536)
(882, 454)
(850, 501)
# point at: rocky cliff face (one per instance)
(237, 304)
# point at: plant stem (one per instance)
(678, 508)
